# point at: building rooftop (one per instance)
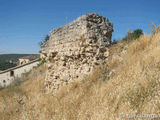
(30, 57)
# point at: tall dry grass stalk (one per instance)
(155, 28)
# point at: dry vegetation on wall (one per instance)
(128, 84)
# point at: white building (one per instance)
(8, 76)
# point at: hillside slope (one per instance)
(128, 84)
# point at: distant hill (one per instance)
(11, 60)
(13, 57)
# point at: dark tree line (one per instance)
(6, 65)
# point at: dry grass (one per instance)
(155, 28)
(128, 84)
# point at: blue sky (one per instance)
(24, 23)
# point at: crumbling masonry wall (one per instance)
(75, 49)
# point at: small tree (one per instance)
(44, 41)
(46, 38)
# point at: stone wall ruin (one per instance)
(75, 49)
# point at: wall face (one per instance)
(75, 49)
(8, 77)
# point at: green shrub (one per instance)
(41, 61)
(137, 33)
(133, 35)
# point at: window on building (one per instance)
(4, 81)
(11, 73)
